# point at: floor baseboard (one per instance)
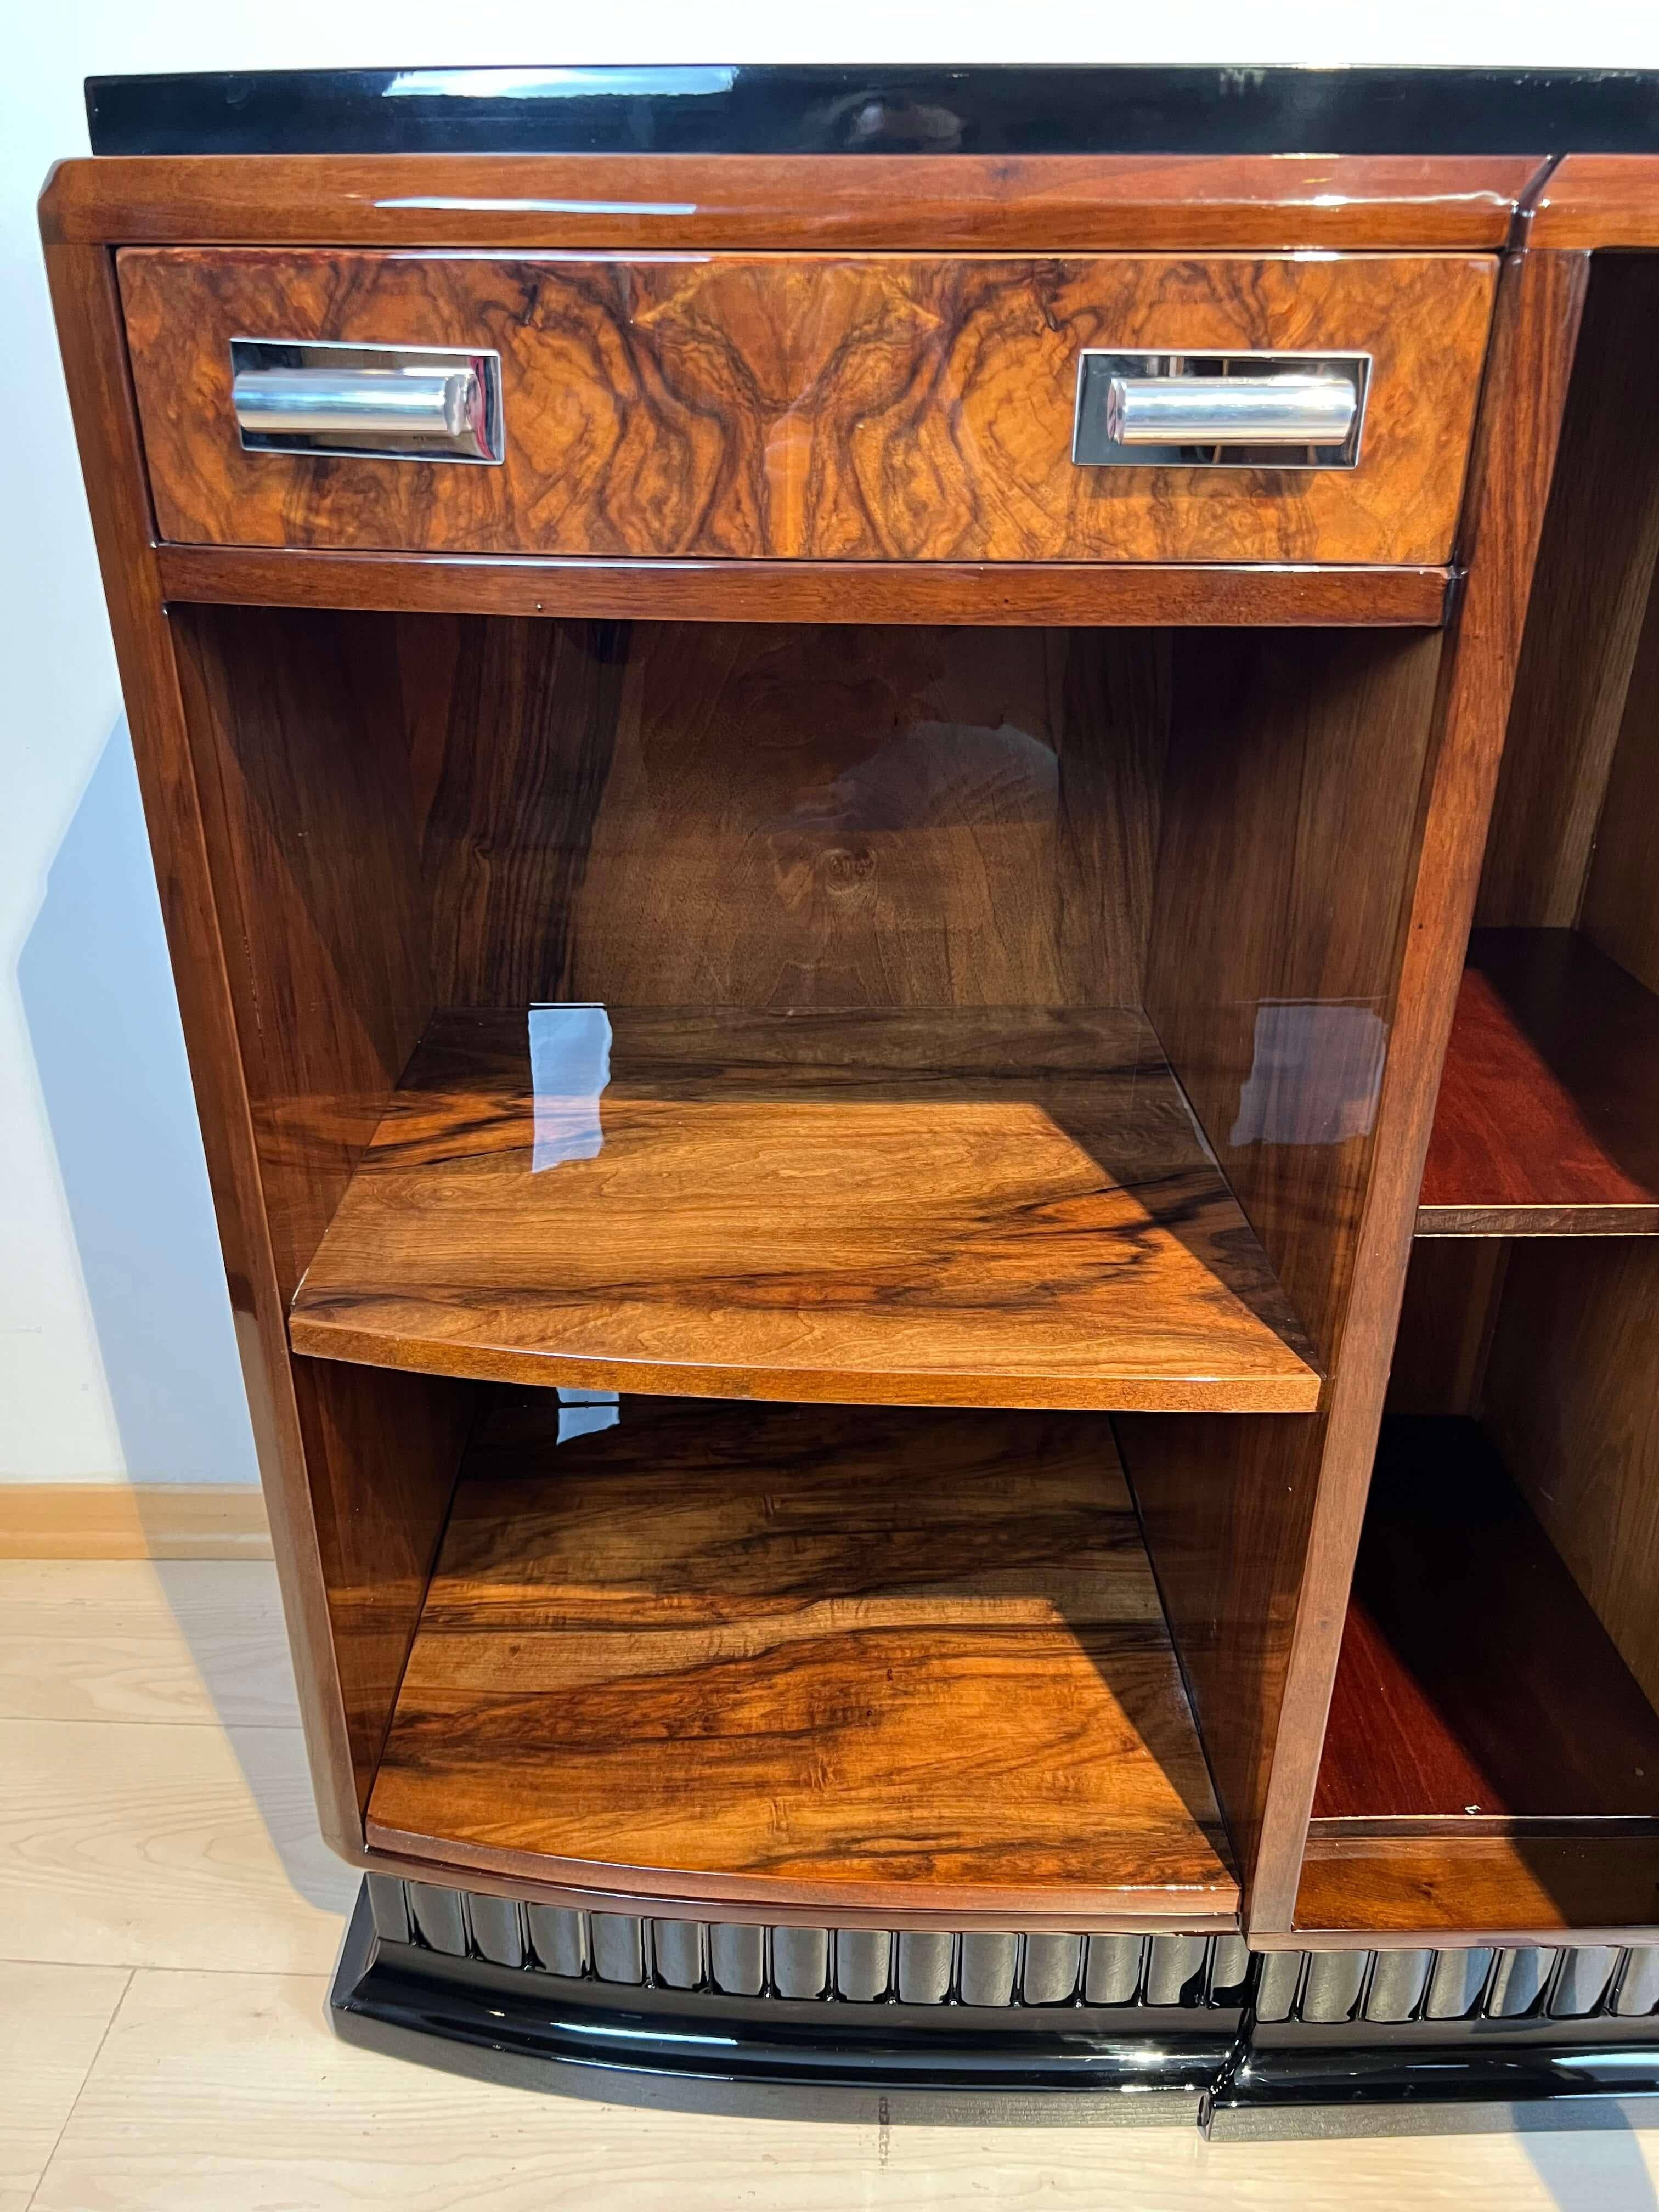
(133, 1521)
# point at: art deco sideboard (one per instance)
(956, 1395)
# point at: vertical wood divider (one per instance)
(1540, 299)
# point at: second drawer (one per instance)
(874, 407)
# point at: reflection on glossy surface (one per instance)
(584, 1412)
(570, 1067)
(664, 82)
(1313, 1075)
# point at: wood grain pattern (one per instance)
(1544, 1124)
(767, 816)
(1004, 1208)
(1045, 204)
(1572, 1396)
(298, 744)
(130, 1640)
(1516, 1888)
(1535, 332)
(52, 2021)
(166, 1845)
(1474, 1679)
(908, 408)
(1253, 1526)
(895, 1655)
(1598, 200)
(964, 593)
(1595, 569)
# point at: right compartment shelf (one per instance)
(1545, 1123)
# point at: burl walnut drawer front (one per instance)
(872, 407)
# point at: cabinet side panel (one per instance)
(295, 723)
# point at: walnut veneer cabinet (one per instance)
(955, 1396)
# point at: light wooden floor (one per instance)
(167, 1924)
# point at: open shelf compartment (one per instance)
(1492, 1757)
(887, 1659)
(917, 1019)
(1546, 1122)
(1476, 1682)
(967, 1206)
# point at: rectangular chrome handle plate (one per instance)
(1230, 410)
(373, 403)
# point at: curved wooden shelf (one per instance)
(894, 1660)
(962, 1208)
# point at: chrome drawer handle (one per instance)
(364, 403)
(379, 403)
(1220, 410)
(1211, 411)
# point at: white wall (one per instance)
(116, 1357)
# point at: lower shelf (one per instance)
(883, 1660)
(1490, 1761)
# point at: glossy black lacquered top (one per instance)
(721, 109)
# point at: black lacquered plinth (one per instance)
(642, 2041)
(717, 108)
(999, 2026)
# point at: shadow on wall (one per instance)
(103, 1021)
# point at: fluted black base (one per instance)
(834, 2058)
(846, 2027)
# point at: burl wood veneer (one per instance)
(901, 1659)
(907, 407)
(957, 1208)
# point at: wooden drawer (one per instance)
(869, 407)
